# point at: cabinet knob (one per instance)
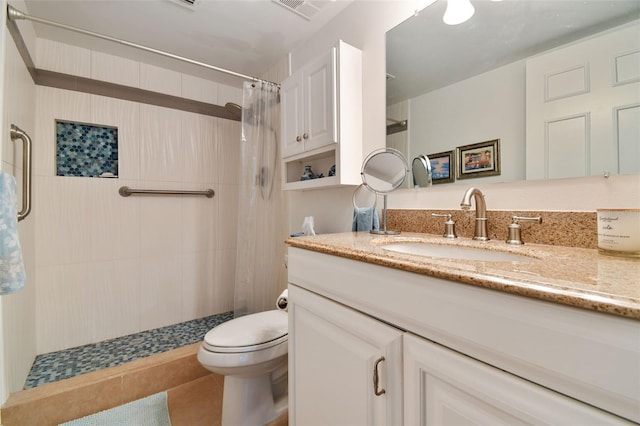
(298, 138)
(305, 136)
(376, 378)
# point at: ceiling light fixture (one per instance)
(458, 11)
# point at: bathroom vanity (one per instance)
(381, 337)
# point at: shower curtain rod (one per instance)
(14, 14)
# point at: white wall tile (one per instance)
(64, 58)
(115, 298)
(160, 222)
(199, 89)
(160, 80)
(229, 151)
(20, 104)
(199, 148)
(225, 280)
(18, 310)
(200, 218)
(63, 314)
(114, 230)
(160, 148)
(63, 222)
(160, 291)
(228, 215)
(198, 285)
(115, 69)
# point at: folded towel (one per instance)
(365, 219)
(12, 276)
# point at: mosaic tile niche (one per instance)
(86, 150)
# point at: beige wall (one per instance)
(363, 24)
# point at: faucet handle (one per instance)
(449, 225)
(515, 236)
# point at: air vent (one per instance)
(304, 8)
(189, 4)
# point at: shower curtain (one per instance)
(260, 248)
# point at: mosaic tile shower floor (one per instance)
(55, 366)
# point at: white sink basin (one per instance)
(455, 252)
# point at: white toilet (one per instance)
(251, 352)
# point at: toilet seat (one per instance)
(249, 333)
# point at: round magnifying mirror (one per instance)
(384, 170)
(421, 168)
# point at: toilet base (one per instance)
(249, 401)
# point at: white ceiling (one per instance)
(250, 36)
(245, 36)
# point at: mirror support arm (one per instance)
(384, 230)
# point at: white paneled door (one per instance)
(583, 105)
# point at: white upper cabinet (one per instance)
(321, 120)
(308, 101)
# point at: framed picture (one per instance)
(443, 166)
(478, 159)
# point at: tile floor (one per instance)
(55, 366)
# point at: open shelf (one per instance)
(320, 162)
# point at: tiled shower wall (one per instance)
(18, 347)
(107, 265)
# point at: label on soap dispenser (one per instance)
(619, 231)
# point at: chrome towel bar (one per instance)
(17, 133)
(125, 191)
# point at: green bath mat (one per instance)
(149, 411)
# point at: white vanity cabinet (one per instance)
(471, 355)
(337, 353)
(321, 119)
(444, 387)
(308, 99)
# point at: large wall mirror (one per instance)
(555, 82)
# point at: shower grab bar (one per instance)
(17, 133)
(125, 191)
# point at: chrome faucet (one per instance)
(481, 212)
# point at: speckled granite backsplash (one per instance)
(569, 229)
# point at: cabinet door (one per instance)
(292, 116)
(320, 110)
(444, 387)
(334, 353)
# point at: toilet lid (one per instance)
(248, 333)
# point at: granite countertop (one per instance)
(578, 277)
